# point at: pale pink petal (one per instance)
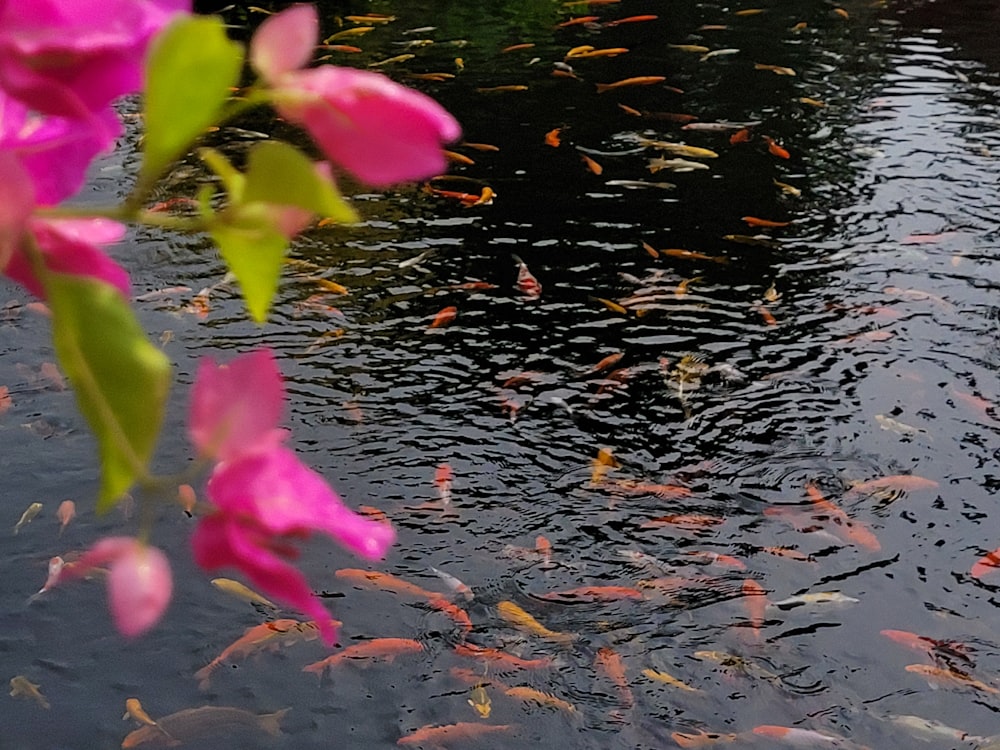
(284, 42)
(283, 496)
(219, 542)
(375, 128)
(235, 408)
(68, 246)
(139, 589)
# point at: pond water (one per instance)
(861, 341)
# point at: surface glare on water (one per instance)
(880, 359)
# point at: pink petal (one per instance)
(70, 246)
(284, 42)
(139, 589)
(235, 408)
(283, 496)
(16, 204)
(219, 541)
(65, 58)
(373, 127)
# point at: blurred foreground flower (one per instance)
(139, 581)
(378, 130)
(265, 498)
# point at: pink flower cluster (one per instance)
(265, 498)
(62, 64)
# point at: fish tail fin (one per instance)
(517, 259)
(271, 723)
(204, 675)
(602, 87)
(317, 668)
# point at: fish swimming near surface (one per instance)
(22, 687)
(435, 736)
(480, 701)
(943, 676)
(524, 622)
(199, 723)
(626, 82)
(820, 597)
(375, 579)
(609, 662)
(530, 286)
(525, 693)
(237, 589)
(804, 738)
(29, 514)
(384, 649)
(65, 514)
(274, 634)
(668, 679)
(502, 658)
(701, 739)
(987, 564)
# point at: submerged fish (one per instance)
(386, 649)
(237, 589)
(820, 597)
(436, 736)
(206, 721)
(479, 699)
(525, 693)
(272, 634)
(528, 624)
(668, 679)
(950, 678)
(22, 687)
(32, 510)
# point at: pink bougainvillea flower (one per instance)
(376, 129)
(265, 498)
(284, 42)
(286, 498)
(70, 246)
(235, 408)
(16, 204)
(69, 58)
(223, 541)
(55, 151)
(139, 581)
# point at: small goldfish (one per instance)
(579, 20)
(435, 736)
(630, 19)
(385, 649)
(525, 693)
(134, 709)
(356, 31)
(775, 148)
(674, 165)
(601, 465)
(592, 165)
(695, 48)
(552, 137)
(29, 514)
(528, 624)
(950, 678)
(506, 88)
(780, 70)
(385, 582)
(65, 514)
(543, 547)
(609, 662)
(501, 657)
(479, 699)
(444, 317)
(377, 18)
(22, 687)
(755, 222)
(667, 679)
(517, 47)
(237, 589)
(526, 281)
(626, 82)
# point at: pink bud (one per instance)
(284, 42)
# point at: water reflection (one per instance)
(859, 342)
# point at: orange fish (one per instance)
(526, 281)
(370, 579)
(634, 81)
(755, 600)
(442, 480)
(674, 252)
(910, 640)
(480, 146)
(456, 613)
(950, 678)
(607, 363)
(435, 736)
(740, 136)
(473, 286)
(592, 165)
(346, 48)
(986, 564)
(664, 491)
(552, 137)
(592, 594)
(577, 21)
(630, 19)
(265, 635)
(848, 530)
(687, 522)
(500, 657)
(516, 47)
(767, 316)
(457, 158)
(525, 693)
(544, 548)
(583, 53)
(755, 222)
(775, 148)
(386, 649)
(65, 514)
(609, 662)
(502, 89)
(444, 317)
(373, 513)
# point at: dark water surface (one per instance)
(875, 354)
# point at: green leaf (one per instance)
(281, 174)
(254, 249)
(189, 73)
(120, 379)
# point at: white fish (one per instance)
(456, 586)
(921, 727)
(33, 510)
(719, 53)
(900, 428)
(820, 597)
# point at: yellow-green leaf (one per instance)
(120, 379)
(254, 250)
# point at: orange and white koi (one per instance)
(775, 148)
(804, 738)
(375, 579)
(454, 585)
